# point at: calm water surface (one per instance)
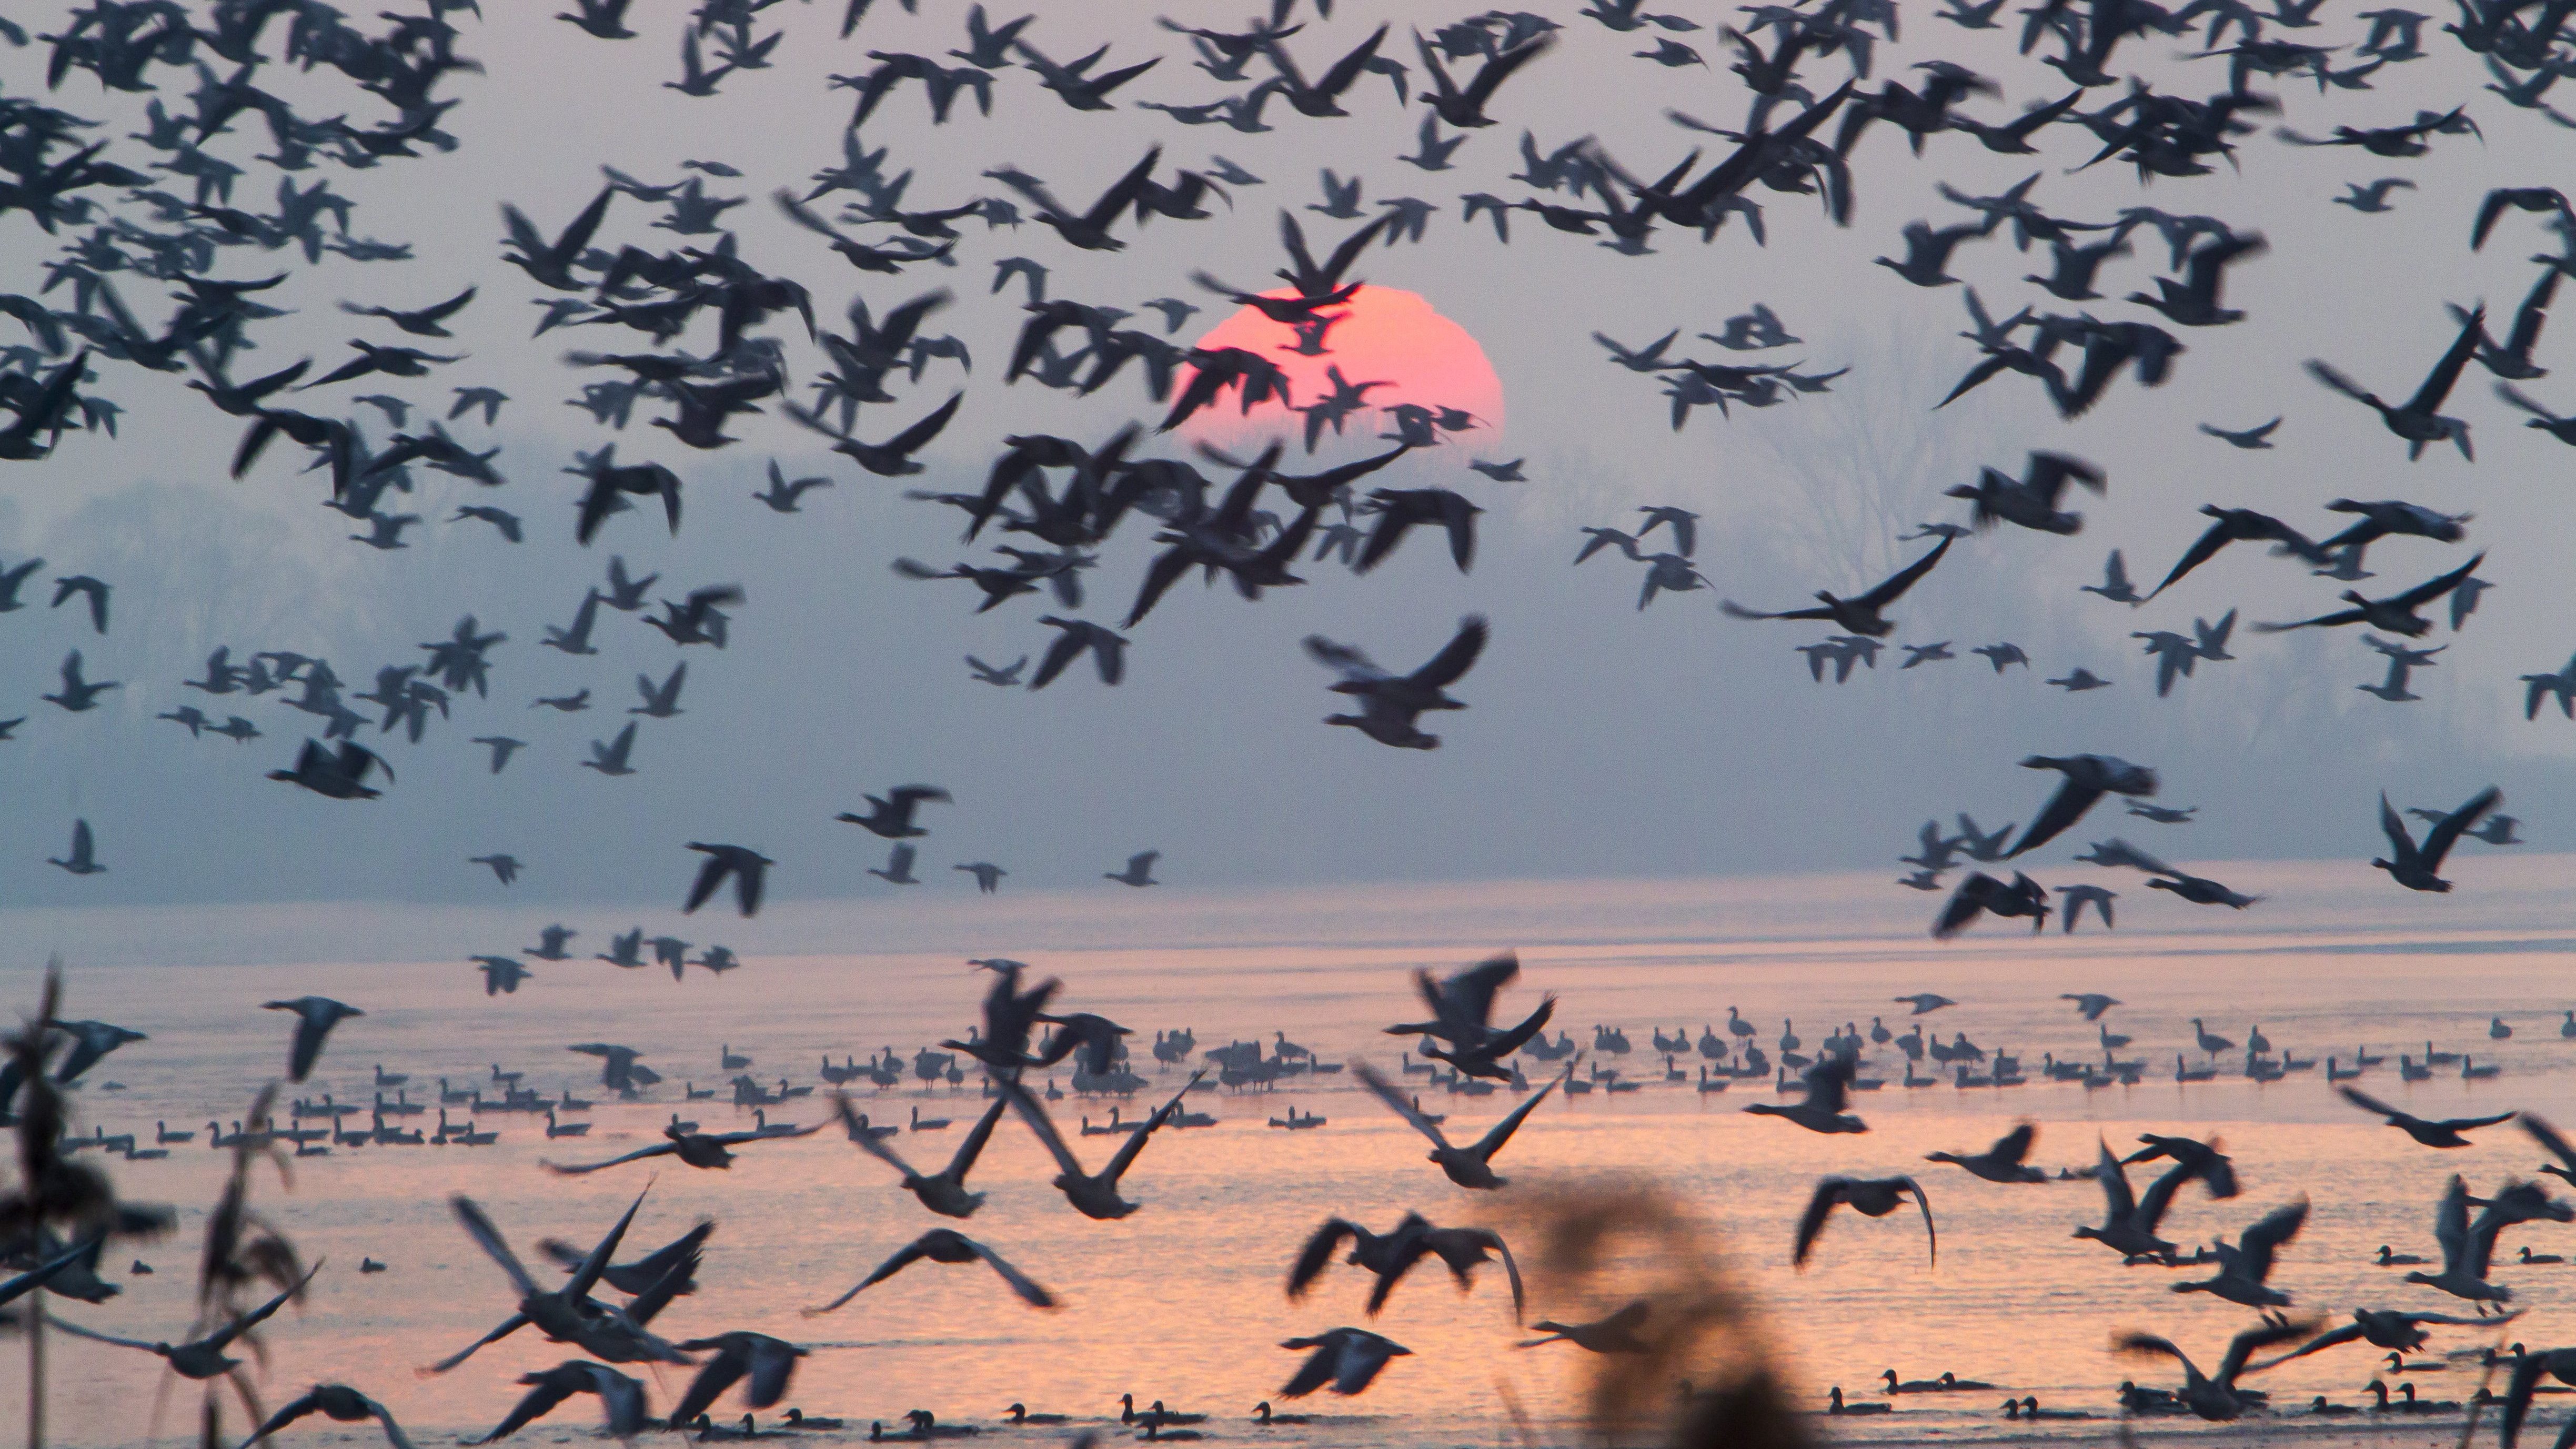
(1181, 1301)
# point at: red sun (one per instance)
(1388, 344)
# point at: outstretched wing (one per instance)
(577, 1169)
(1021, 1283)
(2369, 1103)
(1492, 1142)
(2259, 1242)
(1894, 588)
(1317, 1255)
(1456, 657)
(2063, 809)
(1035, 1114)
(1403, 1108)
(2438, 382)
(867, 1142)
(2431, 589)
(489, 1239)
(1820, 1206)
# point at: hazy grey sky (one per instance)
(1601, 741)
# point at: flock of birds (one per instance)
(606, 1307)
(183, 207)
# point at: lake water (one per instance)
(1181, 1302)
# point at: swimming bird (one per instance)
(1346, 1360)
(943, 1192)
(2001, 1162)
(314, 1018)
(1873, 1197)
(1824, 1108)
(2418, 867)
(2442, 1133)
(1470, 1166)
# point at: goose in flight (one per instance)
(2241, 525)
(609, 757)
(1094, 1195)
(2002, 1162)
(2394, 614)
(94, 590)
(988, 876)
(83, 859)
(1863, 614)
(2418, 868)
(1470, 1166)
(314, 1018)
(2088, 779)
(505, 868)
(337, 1402)
(642, 1275)
(1925, 1002)
(550, 944)
(2214, 1397)
(891, 815)
(943, 1192)
(2115, 584)
(1981, 894)
(2419, 420)
(2031, 501)
(2244, 1267)
(661, 701)
(1139, 871)
(2130, 1223)
(2253, 439)
(2468, 1248)
(697, 1149)
(202, 1358)
(1346, 1360)
(748, 867)
(621, 1399)
(567, 1314)
(2072, 899)
(2386, 1329)
(1460, 1008)
(1389, 1256)
(501, 974)
(1390, 703)
(1874, 1197)
(946, 1245)
(1006, 676)
(78, 694)
(768, 1362)
(2091, 1004)
(2430, 1133)
(2560, 686)
(336, 774)
(1824, 1108)
(1615, 1334)
(898, 867)
(783, 492)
